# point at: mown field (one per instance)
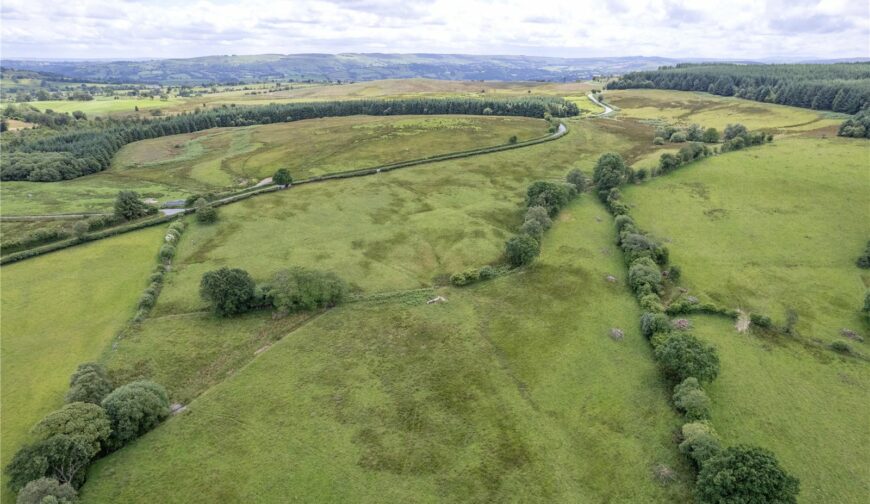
(680, 107)
(231, 156)
(770, 230)
(60, 310)
(511, 391)
(107, 105)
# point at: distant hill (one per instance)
(345, 67)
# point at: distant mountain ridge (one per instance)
(345, 67)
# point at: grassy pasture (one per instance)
(512, 391)
(227, 156)
(810, 407)
(60, 310)
(107, 105)
(769, 229)
(715, 111)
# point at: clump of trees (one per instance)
(96, 420)
(128, 206)
(72, 153)
(205, 213)
(745, 474)
(229, 291)
(610, 172)
(840, 87)
(857, 126)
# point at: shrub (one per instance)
(128, 206)
(61, 457)
(641, 174)
(864, 260)
(644, 276)
(841, 347)
(609, 172)
(682, 355)
(658, 140)
(651, 323)
(178, 226)
(694, 133)
(282, 177)
(674, 273)
(678, 137)
(576, 178)
(171, 236)
(521, 250)
(43, 490)
(84, 421)
(711, 135)
(146, 301)
(762, 321)
(90, 383)
(166, 253)
(486, 272)
(624, 223)
(155, 278)
(690, 398)
(745, 474)
(80, 228)
(700, 442)
(539, 214)
(550, 195)
(303, 289)
(651, 302)
(206, 215)
(734, 130)
(532, 228)
(134, 409)
(229, 291)
(636, 246)
(512, 140)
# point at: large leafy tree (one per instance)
(682, 356)
(134, 409)
(90, 383)
(610, 171)
(744, 474)
(230, 291)
(84, 421)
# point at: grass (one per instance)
(806, 405)
(715, 111)
(396, 230)
(106, 105)
(769, 229)
(229, 156)
(61, 310)
(511, 391)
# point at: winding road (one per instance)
(607, 109)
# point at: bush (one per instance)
(700, 442)
(644, 276)
(133, 410)
(84, 421)
(178, 226)
(690, 398)
(674, 273)
(658, 140)
(487, 272)
(303, 289)
(635, 246)
(651, 303)
(206, 215)
(841, 347)
(550, 195)
(43, 490)
(864, 260)
(532, 228)
(762, 321)
(521, 250)
(229, 291)
(128, 206)
(146, 301)
(624, 223)
(711, 135)
(155, 278)
(734, 131)
(682, 356)
(61, 457)
(80, 228)
(512, 140)
(90, 383)
(539, 214)
(576, 178)
(745, 474)
(166, 253)
(651, 323)
(609, 172)
(282, 177)
(678, 137)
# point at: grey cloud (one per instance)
(818, 23)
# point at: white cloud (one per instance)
(737, 29)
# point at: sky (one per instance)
(733, 29)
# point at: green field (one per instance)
(510, 392)
(770, 229)
(232, 156)
(107, 105)
(715, 111)
(809, 406)
(60, 310)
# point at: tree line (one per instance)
(840, 87)
(73, 153)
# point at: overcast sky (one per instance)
(735, 29)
